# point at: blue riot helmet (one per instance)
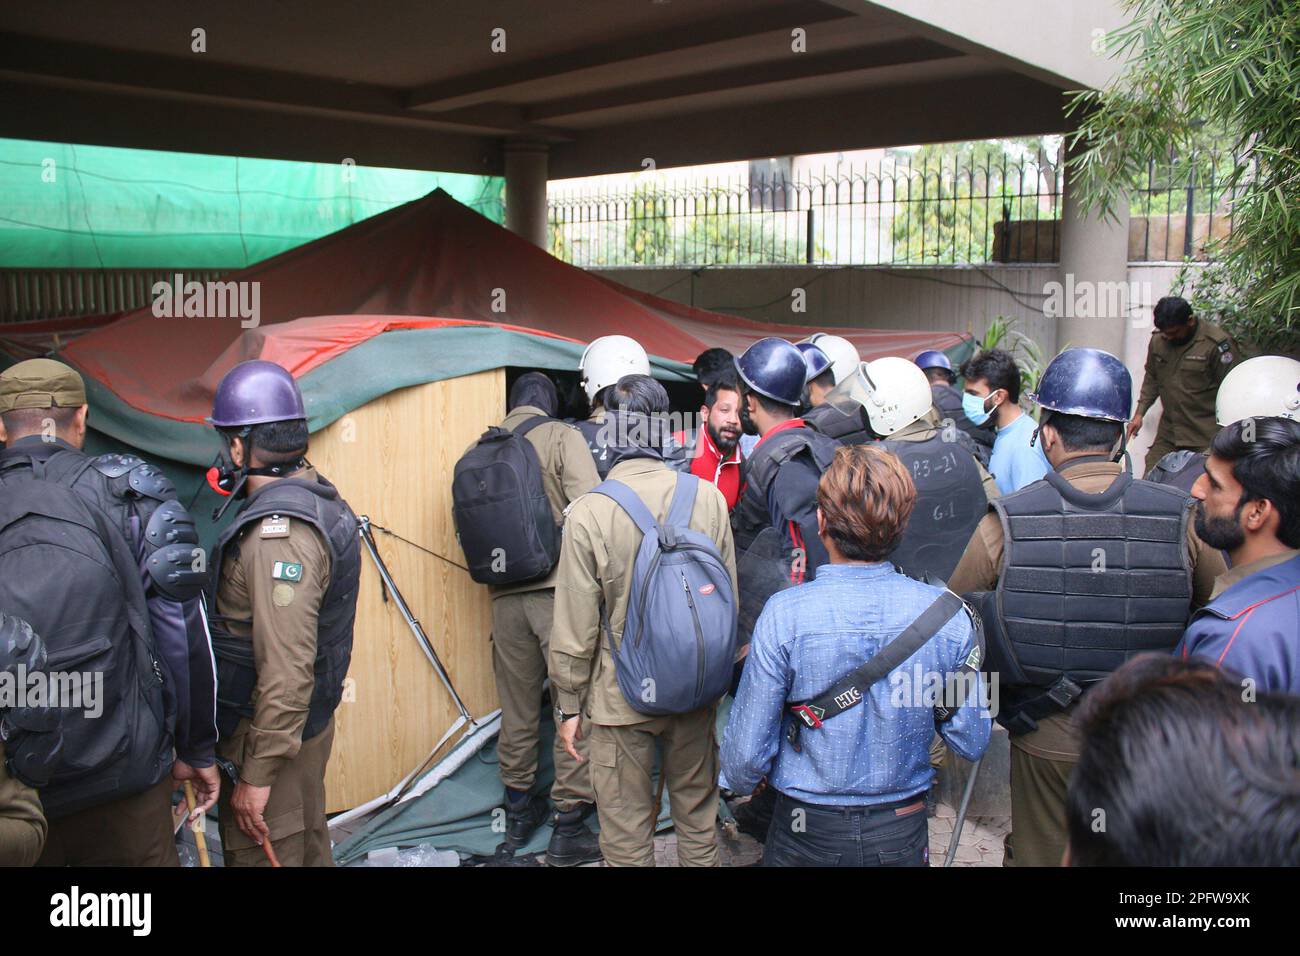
(1089, 383)
(933, 358)
(817, 360)
(1086, 382)
(775, 369)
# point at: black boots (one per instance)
(572, 844)
(523, 818)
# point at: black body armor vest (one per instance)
(1179, 469)
(833, 422)
(1089, 580)
(950, 502)
(601, 453)
(320, 506)
(751, 514)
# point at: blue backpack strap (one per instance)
(627, 499)
(679, 512)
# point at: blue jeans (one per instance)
(808, 834)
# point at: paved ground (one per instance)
(981, 843)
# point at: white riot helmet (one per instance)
(1259, 387)
(894, 391)
(609, 358)
(842, 353)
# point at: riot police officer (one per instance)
(778, 499)
(284, 594)
(132, 615)
(775, 520)
(1090, 567)
(1257, 388)
(821, 374)
(952, 488)
(603, 363)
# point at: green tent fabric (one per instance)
(457, 813)
(94, 207)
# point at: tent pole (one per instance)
(363, 528)
(961, 813)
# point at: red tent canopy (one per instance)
(433, 260)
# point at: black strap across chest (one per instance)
(848, 691)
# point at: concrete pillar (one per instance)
(526, 190)
(1094, 277)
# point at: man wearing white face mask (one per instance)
(993, 392)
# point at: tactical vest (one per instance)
(950, 502)
(601, 453)
(751, 514)
(833, 422)
(1179, 469)
(236, 675)
(1089, 580)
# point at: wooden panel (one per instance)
(392, 460)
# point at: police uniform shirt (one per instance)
(1186, 379)
(274, 577)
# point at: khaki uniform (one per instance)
(595, 572)
(925, 428)
(521, 624)
(22, 824)
(131, 831)
(280, 618)
(1041, 760)
(1186, 380)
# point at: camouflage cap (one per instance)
(41, 383)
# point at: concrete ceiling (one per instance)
(413, 83)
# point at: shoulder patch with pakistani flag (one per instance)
(286, 571)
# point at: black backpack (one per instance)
(503, 519)
(68, 571)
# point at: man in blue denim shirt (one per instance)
(853, 795)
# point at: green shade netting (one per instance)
(95, 207)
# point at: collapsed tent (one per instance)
(427, 291)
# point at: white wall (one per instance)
(952, 298)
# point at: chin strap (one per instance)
(229, 481)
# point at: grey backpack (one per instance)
(679, 642)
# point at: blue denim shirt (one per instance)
(806, 639)
(1014, 463)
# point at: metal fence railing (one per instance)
(1179, 210)
(907, 210)
(30, 294)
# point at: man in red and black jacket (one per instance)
(712, 452)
